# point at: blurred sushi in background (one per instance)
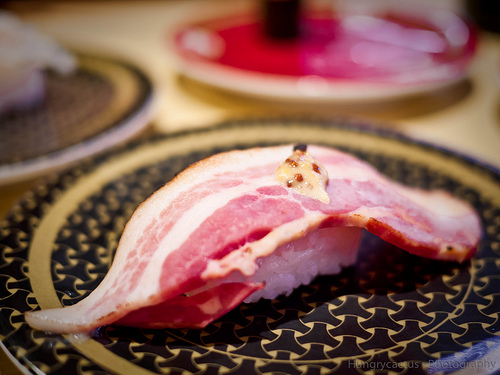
(25, 57)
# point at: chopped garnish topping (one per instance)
(304, 174)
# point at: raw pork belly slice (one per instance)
(207, 240)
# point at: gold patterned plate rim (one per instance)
(125, 113)
(417, 315)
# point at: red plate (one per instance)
(355, 57)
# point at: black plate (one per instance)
(391, 311)
(104, 102)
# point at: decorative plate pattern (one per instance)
(102, 103)
(391, 312)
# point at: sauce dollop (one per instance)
(303, 173)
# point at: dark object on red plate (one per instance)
(281, 18)
(485, 13)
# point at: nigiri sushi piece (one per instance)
(244, 225)
(25, 55)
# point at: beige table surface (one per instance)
(464, 117)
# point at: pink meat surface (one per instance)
(176, 260)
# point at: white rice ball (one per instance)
(321, 252)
